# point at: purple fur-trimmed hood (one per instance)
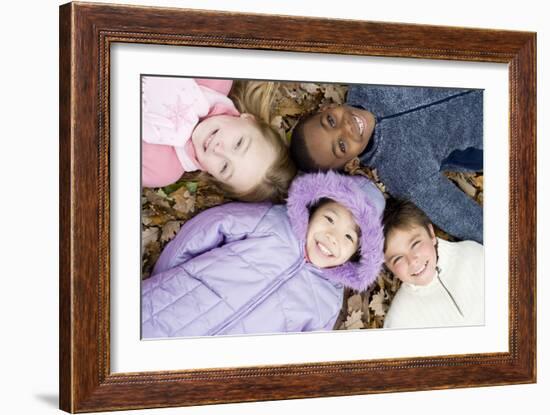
(366, 204)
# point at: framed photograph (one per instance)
(106, 50)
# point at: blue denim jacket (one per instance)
(417, 129)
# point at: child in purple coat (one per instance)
(244, 268)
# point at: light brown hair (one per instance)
(403, 214)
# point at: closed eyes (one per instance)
(224, 167)
(239, 143)
(331, 221)
(397, 259)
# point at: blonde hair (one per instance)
(257, 98)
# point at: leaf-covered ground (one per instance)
(165, 210)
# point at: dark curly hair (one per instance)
(299, 151)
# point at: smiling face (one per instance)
(332, 236)
(337, 134)
(411, 254)
(233, 150)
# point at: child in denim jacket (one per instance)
(409, 135)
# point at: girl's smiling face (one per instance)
(337, 134)
(332, 236)
(411, 254)
(233, 150)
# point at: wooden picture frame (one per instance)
(87, 32)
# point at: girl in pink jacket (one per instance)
(190, 124)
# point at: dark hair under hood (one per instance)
(364, 201)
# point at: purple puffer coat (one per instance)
(240, 267)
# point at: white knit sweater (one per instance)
(456, 298)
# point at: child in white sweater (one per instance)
(442, 281)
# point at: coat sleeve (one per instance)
(210, 229)
(329, 325)
(449, 208)
(386, 100)
(454, 124)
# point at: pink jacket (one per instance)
(171, 109)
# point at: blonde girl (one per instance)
(191, 124)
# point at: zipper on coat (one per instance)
(449, 293)
(258, 299)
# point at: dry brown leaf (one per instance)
(207, 200)
(465, 186)
(146, 216)
(288, 107)
(378, 322)
(377, 304)
(169, 230)
(365, 310)
(310, 88)
(478, 181)
(335, 92)
(354, 321)
(185, 201)
(148, 236)
(353, 166)
(479, 198)
(157, 198)
(159, 219)
(396, 283)
(354, 303)
(373, 324)
(381, 283)
(469, 183)
(149, 258)
(289, 90)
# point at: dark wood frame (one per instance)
(86, 34)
